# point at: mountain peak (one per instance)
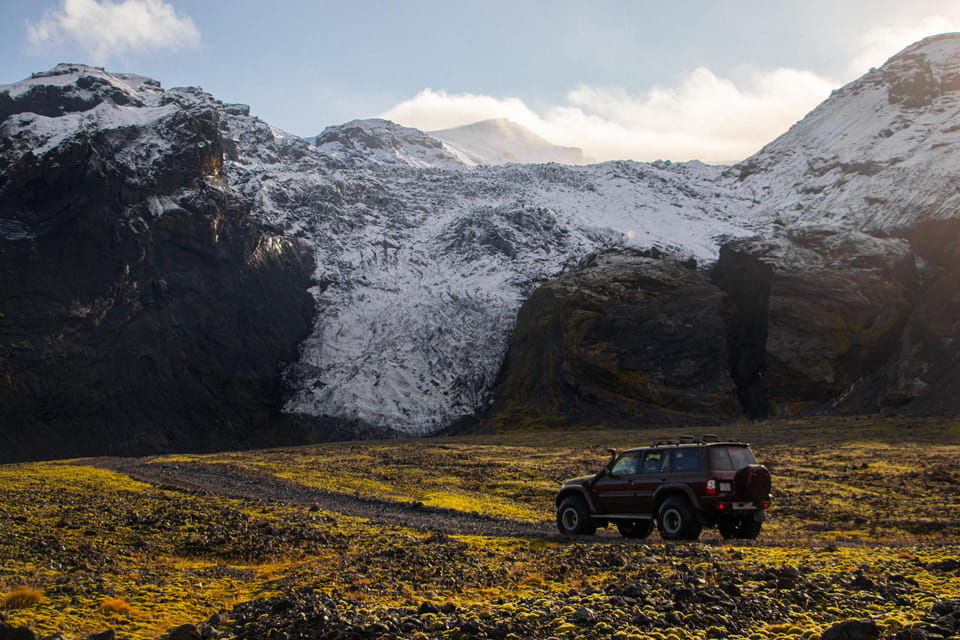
(383, 142)
(848, 159)
(71, 88)
(500, 141)
(939, 49)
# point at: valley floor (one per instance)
(455, 538)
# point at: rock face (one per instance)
(142, 309)
(811, 315)
(626, 339)
(814, 320)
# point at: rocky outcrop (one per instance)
(816, 320)
(817, 311)
(141, 308)
(845, 322)
(628, 338)
(921, 378)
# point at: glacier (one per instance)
(421, 269)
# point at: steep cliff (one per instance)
(814, 314)
(142, 309)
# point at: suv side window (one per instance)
(730, 458)
(627, 465)
(687, 459)
(652, 462)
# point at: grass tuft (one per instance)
(21, 599)
(116, 606)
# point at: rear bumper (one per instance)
(714, 508)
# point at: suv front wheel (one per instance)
(677, 520)
(574, 517)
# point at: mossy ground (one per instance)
(865, 516)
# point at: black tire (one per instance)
(635, 529)
(727, 528)
(748, 528)
(573, 517)
(743, 528)
(676, 520)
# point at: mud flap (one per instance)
(758, 515)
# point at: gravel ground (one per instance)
(241, 482)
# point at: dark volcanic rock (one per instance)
(813, 313)
(852, 630)
(819, 319)
(10, 632)
(141, 308)
(626, 338)
(830, 320)
(922, 379)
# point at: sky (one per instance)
(712, 80)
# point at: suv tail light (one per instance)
(712, 487)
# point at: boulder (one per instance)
(865, 629)
(10, 632)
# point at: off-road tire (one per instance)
(573, 517)
(635, 529)
(748, 528)
(676, 520)
(727, 528)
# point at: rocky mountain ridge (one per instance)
(417, 266)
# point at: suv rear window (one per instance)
(730, 458)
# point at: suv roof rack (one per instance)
(688, 439)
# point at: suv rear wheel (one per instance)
(638, 529)
(744, 528)
(574, 517)
(677, 520)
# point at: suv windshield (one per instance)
(730, 458)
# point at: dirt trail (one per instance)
(241, 482)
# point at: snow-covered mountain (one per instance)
(500, 141)
(422, 260)
(879, 155)
(383, 142)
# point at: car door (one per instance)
(615, 491)
(653, 472)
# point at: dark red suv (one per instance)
(682, 485)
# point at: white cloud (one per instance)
(104, 28)
(704, 117)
